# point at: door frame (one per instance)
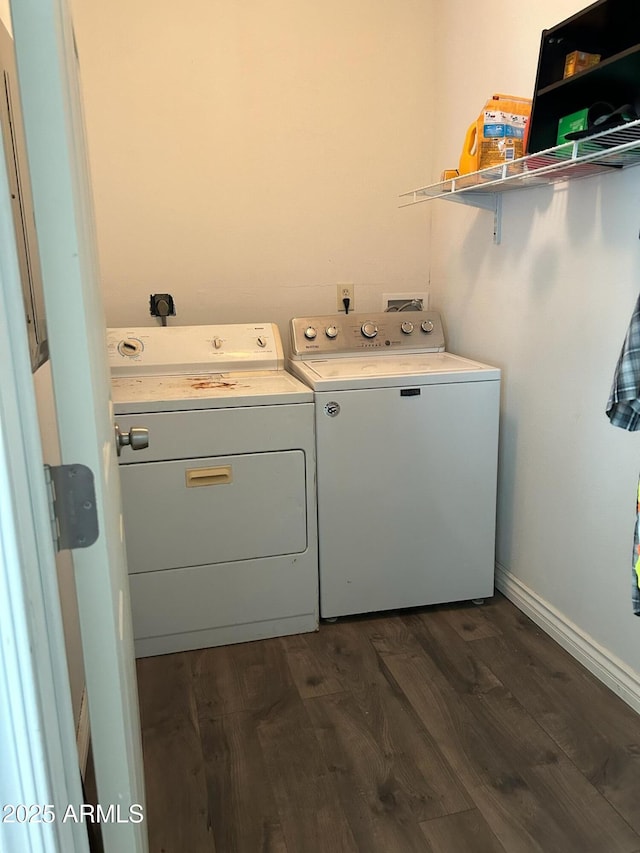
(37, 738)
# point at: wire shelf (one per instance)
(602, 152)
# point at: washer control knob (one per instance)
(369, 329)
(262, 341)
(426, 326)
(310, 333)
(331, 331)
(217, 343)
(407, 327)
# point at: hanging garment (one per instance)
(623, 410)
(635, 563)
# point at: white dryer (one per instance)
(220, 507)
(407, 442)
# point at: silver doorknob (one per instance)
(137, 438)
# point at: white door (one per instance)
(39, 774)
(54, 129)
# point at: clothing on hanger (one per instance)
(623, 410)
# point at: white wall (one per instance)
(248, 157)
(550, 305)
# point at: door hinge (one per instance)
(72, 506)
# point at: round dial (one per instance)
(310, 333)
(426, 326)
(407, 327)
(130, 347)
(262, 341)
(217, 343)
(331, 331)
(369, 329)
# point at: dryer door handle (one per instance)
(208, 476)
(137, 438)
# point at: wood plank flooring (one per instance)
(450, 729)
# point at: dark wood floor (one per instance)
(454, 729)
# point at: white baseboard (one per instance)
(83, 733)
(609, 669)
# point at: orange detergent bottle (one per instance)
(497, 135)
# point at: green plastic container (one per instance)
(571, 123)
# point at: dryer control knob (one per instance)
(130, 347)
(331, 331)
(407, 327)
(310, 333)
(217, 343)
(369, 329)
(262, 341)
(426, 326)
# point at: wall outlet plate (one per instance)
(346, 291)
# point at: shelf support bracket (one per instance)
(487, 201)
(497, 219)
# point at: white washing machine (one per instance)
(406, 447)
(220, 507)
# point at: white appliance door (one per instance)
(214, 510)
(406, 495)
(51, 103)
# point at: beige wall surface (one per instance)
(247, 157)
(5, 14)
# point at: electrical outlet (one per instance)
(346, 291)
(162, 305)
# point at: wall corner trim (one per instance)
(618, 677)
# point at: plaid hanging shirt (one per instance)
(623, 410)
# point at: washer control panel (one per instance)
(357, 334)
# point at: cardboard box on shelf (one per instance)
(578, 60)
